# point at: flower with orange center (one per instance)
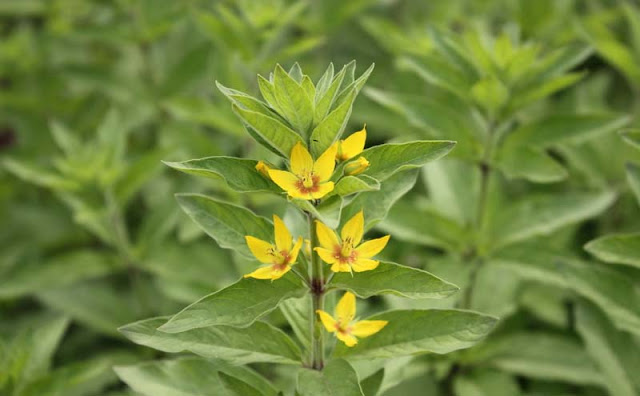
(343, 325)
(280, 256)
(307, 179)
(346, 253)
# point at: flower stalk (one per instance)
(317, 299)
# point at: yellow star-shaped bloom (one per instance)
(346, 253)
(280, 256)
(343, 325)
(352, 145)
(307, 179)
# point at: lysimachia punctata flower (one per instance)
(352, 145)
(345, 253)
(308, 179)
(343, 325)
(356, 167)
(280, 256)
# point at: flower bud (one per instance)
(263, 168)
(356, 167)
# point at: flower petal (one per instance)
(277, 274)
(364, 264)
(341, 267)
(353, 229)
(285, 180)
(261, 249)
(346, 309)
(283, 237)
(326, 163)
(323, 189)
(327, 320)
(262, 273)
(326, 255)
(294, 251)
(353, 145)
(372, 247)
(365, 328)
(301, 161)
(326, 236)
(348, 339)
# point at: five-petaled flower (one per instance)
(307, 179)
(343, 325)
(280, 256)
(346, 253)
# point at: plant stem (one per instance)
(317, 300)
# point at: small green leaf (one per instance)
(331, 127)
(617, 249)
(348, 185)
(259, 342)
(411, 332)
(37, 176)
(337, 378)
(396, 279)
(530, 164)
(324, 100)
(438, 72)
(228, 224)
(240, 174)
(387, 159)
(239, 304)
(296, 311)
(268, 92)
(293, 102)
(193, 377)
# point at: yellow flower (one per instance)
(346, 253)
(307, 179)
(345, 329)
(352, 146)
(263, 168)
(280, 256)
(356, 167)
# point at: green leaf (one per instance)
(337, 378)
(530, 164)
(193, 377)
(538, 91)
(544, 214)
(486, 383)
(631, 136)
(328, 211)
(348, 185)
(565, 128)
(617, 249)
(58, 271)
(376, 204)
(228, 224)
(411, 332)
(633, 178)
(396, 279)
(296, 311)
(239, 174)
(611, 350)
(331, 127)
(186, 72)
(323, 85)
(239, 304)
(387, 159)
(324, 100)
(257, 343)
(293, 102)
(269, 131)
(137, 174)
(268, 92)
(438, 72)
(37, 176)
(539, 355)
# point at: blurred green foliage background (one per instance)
(95, 93)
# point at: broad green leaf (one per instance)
(192, 377)
(539, 355)
(337, 378)
(565, 128)
(376, 204)
(240, 174)
(541, 215)
(259, 342)
(633, 178)
(613, 292)
(617, 249)
(331, 127)
(58, 271)
(396, 279)
(387, 159)
(410, 222)
(277, 135)
(531, 164)
(228, 224)
(411, 332)
(239, 304)
(296, 311)
(348, 185)
(611, 349)
(293, 102)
